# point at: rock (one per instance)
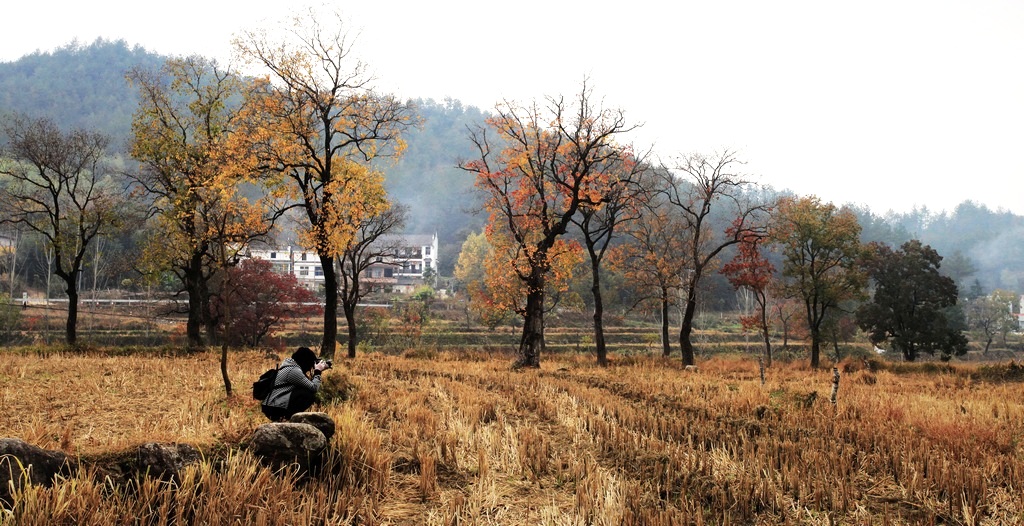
(18, 456)
(690, 368)
(165, 460)
(318, 420)
(282, 444)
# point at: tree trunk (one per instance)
(686, 329)
(765, 335)
(224, 367)
(193, 286)
(815, 348)
(224, 346)
(226, 299)
(71, 332)
(532, 342)
(350, 319)
(666, 345)
(330, 339)
(599, 343)
(206, 310)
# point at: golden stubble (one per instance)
(463, 439)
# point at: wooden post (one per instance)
(760, 366)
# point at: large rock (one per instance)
(21, 462)
(165, 460)
(288, 443)
(318, 420)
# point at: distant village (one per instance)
(414, 264)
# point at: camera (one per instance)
(330, 363)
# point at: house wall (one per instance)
(400, 274)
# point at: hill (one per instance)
(77, 85)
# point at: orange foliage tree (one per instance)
(648, 259)
(318, 124)
(536, 174)
(492, 291)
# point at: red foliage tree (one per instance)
(260, 300)
(750, 270)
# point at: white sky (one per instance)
(888, 103)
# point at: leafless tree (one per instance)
(58, 187)
(373, 243)
(702, 186)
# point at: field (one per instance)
(459, 438)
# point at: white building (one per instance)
(416, 255)
(415, 260)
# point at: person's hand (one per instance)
(321, 365)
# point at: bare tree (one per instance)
(59, 188)
(14, 238)
(649, 260)
(707, 185)
(623, 193)
(372, 244)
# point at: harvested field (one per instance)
(459, 438)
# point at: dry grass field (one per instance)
(454, 438)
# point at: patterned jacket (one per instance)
(289, 378)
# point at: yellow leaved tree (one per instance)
(193, 180)
(316, 122)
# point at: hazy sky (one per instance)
(886, 103)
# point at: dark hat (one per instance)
(305, 357)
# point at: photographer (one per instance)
(294, 391)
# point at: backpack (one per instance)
(261, 388)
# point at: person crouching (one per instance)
(294, 391)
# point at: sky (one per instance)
(889, 104)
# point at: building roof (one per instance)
(411, 240)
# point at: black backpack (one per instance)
(261, 388)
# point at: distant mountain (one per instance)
(77, 85)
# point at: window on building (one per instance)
(388, 273)
(426, 250)
(273, 255)
(303, 257)
(303, 271)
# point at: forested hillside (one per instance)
(982, 248)
(428, 180)
(77, 85)
(84, 86)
